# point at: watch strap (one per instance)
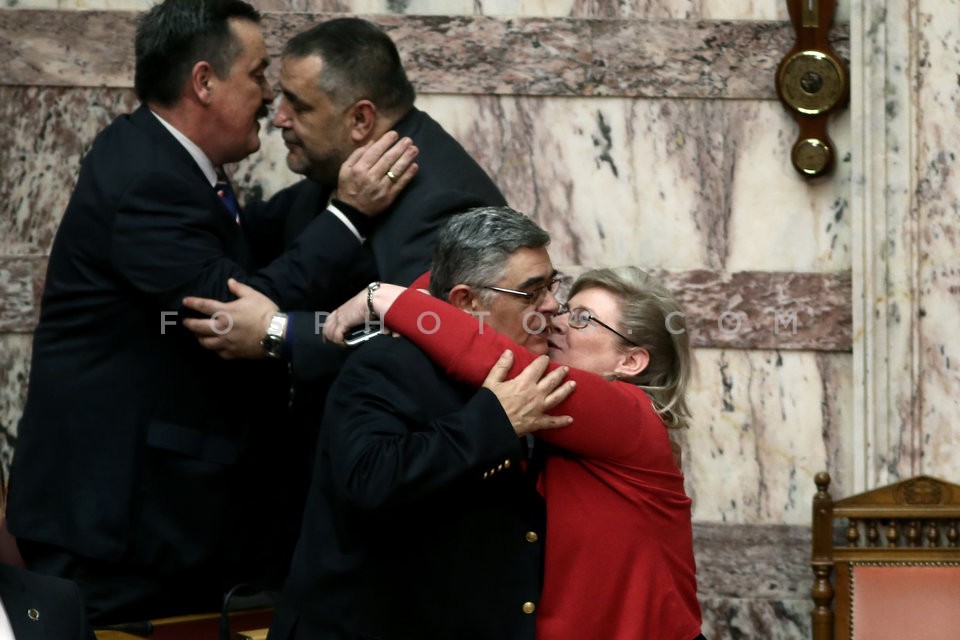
(373, 286)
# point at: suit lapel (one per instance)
(311, 200)
(232, 234)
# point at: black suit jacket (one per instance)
(42, 607)
(398, 249)
(136, 444)
(426, 484)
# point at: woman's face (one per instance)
(594, 347)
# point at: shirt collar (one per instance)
(195, 152)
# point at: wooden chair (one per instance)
(247, 624)
(895, 561)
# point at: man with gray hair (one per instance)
(438, 521)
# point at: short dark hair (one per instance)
(473, 247)
(360, 61)
(176, 34)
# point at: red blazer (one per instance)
(619, 550)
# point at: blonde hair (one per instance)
(653, 320)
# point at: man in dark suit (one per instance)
(137, 474)
(39, 607)
(427, 544)
(342, 85)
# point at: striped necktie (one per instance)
(227, 196)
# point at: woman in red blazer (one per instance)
(619, 552)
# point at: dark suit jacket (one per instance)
(136, 444)
(398, 249)
(42, 607)
(425, 478)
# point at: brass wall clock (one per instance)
(812, 82)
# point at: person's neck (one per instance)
(386, 122)
(185, 118)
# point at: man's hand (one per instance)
(527, 397)
(375, 174)
(355, 312)
(350, 314)
(233, 329)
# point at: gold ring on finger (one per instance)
(392, 176)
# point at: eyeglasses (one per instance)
(535, 297)
(581, 317)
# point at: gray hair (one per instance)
(654, 320)
(473, 248)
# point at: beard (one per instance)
(324, 170)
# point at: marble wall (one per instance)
(643, 132)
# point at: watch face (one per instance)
(271, 344)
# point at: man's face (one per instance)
(526, 321)
(315, 131)
(242, 97)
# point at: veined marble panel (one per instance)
(765, 310)
(45, 134)
(14, 372)
(938, 246)
(891, 178)
(759, 433)
(648, 9)
(753, 580)
(800, 221)
(838, 381)
(21, 283)
(752, 561)
(755, 618)
(757, 309)
(665, 183)
(451, 54)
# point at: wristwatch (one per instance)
(273, 341)
(373, 286)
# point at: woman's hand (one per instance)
(527, 397)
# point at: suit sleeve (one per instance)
(310, 357)
(403, 245)
(385, 453)
(171, 250)
(610, 419)
(264, 223)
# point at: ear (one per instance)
(200, 86)
(361, 121)
(463, 298)
(632, 362)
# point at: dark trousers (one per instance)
(115, 593)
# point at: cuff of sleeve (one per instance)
(286, 347)
(501, 439)
(359, 224)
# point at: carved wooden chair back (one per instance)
(886, 562)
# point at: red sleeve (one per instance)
(423, 282)
(610, 419)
